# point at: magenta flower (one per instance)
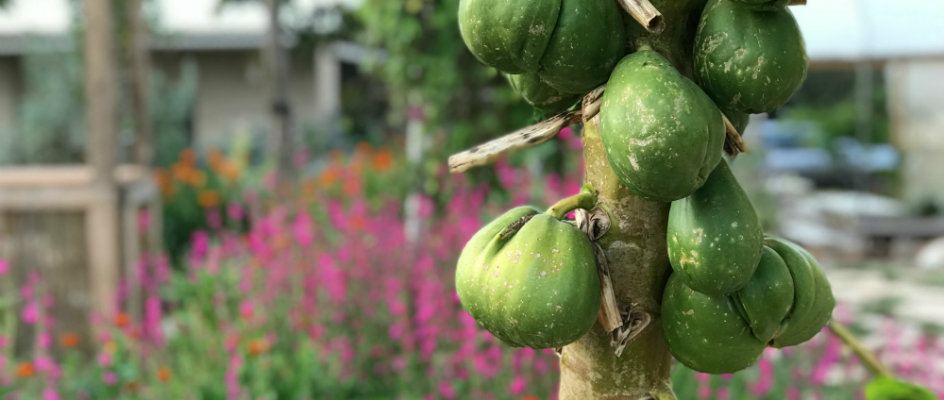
(4, 267)
(50, 394)
(235, 211)
(110, 378)
(104, 359)
(446, 390)
(517, 385)
(30, 313)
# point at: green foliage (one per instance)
(49, 124)
(172, 104)
(828, 99)
(428, 69)
(887, 388)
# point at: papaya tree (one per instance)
(665, 256)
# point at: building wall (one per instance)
(233, 94)
(916, 109)
(10, 89)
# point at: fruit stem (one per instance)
(645, 14)
(586, 199)
(733, 145)
(866, 356)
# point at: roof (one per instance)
(850, 30)
(187, 24)
(835, 30)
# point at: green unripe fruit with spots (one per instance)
(536, 286)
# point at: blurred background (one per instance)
(238, 199)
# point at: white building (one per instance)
(224, 41)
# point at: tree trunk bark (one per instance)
(635, 248)
(141, 72)
(281, 135)
(639, 266)
(101, 139)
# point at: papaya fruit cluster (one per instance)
(530, 279)
(552, 51)
(733, 291)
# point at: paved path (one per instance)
(919, 303)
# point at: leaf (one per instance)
(886, 388)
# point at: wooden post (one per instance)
(100, 92)
(140, 72)
(281, 135)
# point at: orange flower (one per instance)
(215, 159)
(111, 347)
(163, 374)
(208, 198)
(228, 170)
(162, 177)
(188, 157)
(258, 346)
(69, 339)
(336, 157)
(181, 172)
(309, 186)
(352, 186)
(197, 178)
(363, 148)
(358, 222)
(25, 370)
(328, 177)
(382, 160)
(122, 320)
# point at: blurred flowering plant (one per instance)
(312, 291)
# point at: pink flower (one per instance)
(793, 393)
(144, 220)
(517, 385)
(246, 309)
(303, 229)
(446, 390)
(704, 392)
(765, 382)
(109, 378)
(213, 217)
(4, 267)
(44, 340)
(104, 359)
(50, 394)
(30, 313)
(235, 211)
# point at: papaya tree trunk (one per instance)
(639, 266)
(635, 249)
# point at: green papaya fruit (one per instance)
(813, 298)
(746, 59)
(587, 43)
(888, 388)
(768, 297)
(706, 333)
(714, 236)
(661, 134)
(537, 286)
(510, 36)
(538, 94)
(738, 119)
(764, 4)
